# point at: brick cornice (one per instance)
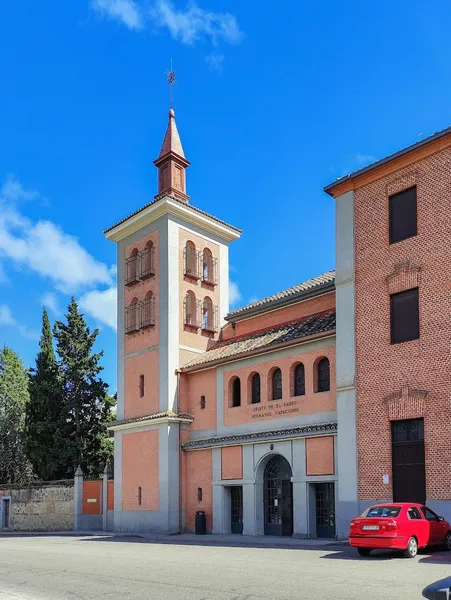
(405, 276)
(406, 403)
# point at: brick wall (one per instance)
(410, 379)
(232, 462)
(198, 474)
(319, 454)
(140, 470)
(41, 506)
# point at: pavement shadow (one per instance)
(437, 556)
(351, 554)
(179, 541)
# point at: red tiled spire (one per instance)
(171, 163)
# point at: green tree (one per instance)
(45, 422)
(87, 404)
(14, 466)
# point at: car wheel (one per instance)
(364, 551)
(412, 548)
(447, 543)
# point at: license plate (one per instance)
(370, 528)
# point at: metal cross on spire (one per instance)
(170, 79)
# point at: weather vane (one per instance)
(170, 79)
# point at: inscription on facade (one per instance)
(275, 410)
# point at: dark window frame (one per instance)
(299, 380)
(276, 384)
(401, 225)
(256, 389)
(400, 329)
(236, 392)
(141, 386)
(202, 402)
(323, 375)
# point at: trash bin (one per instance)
(201, 522)
(440, 590)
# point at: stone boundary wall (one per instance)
(39, 506)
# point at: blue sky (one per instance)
(272, 103)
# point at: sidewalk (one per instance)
(261, 541)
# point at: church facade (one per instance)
(250, 416)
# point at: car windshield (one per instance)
(382, 511)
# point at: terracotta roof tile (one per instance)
(292, 292)
(262, 340)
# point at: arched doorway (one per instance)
(278, 497)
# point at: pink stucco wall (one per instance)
(232, 462)
(319, 455)
(198, 474)
(147, 364)
(193, 386)
(288, 406)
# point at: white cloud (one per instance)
(12, 190)
(50, 300)
(7, 319)
(215, 61)
(101, 305)
(234, 293)
(44, 248)
(194, 23)
(126, 12)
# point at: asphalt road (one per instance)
(59, 568)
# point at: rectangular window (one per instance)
(202, 402)
(404, 316)
(139, 496)
(141, 386)
(414, 513)
(199, 494)
(403, 215)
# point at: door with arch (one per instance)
(278, 497)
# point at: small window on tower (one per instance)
(141, 386)
(202, 402)
(199, 494)
(139, 496)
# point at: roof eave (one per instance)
(409, 149)
(165, 205)
(318, 290)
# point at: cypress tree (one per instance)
(14, 466)
(87, 404)
(45, 415)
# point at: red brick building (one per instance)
(394, 263)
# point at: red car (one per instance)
(399, 526)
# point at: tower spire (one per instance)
(171, 162)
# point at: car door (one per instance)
(418, 526)
(435, 526)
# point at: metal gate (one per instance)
(325, 510)
(236, 497)
(408, 463)
(278, 497)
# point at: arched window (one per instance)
(299, 380)
(190, 309)
(147, 311)
(207, 314)
(131, 316)
(255, 388)
(131, 267)
(323, 375)
(147, 261)
(191, 266)
(236, 392)
(207, 266)
(277, 384)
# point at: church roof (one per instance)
(267, 339)
(172, 142)
(320, 284)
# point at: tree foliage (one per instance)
(45, 422)
(86, 402)
(14, 396)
